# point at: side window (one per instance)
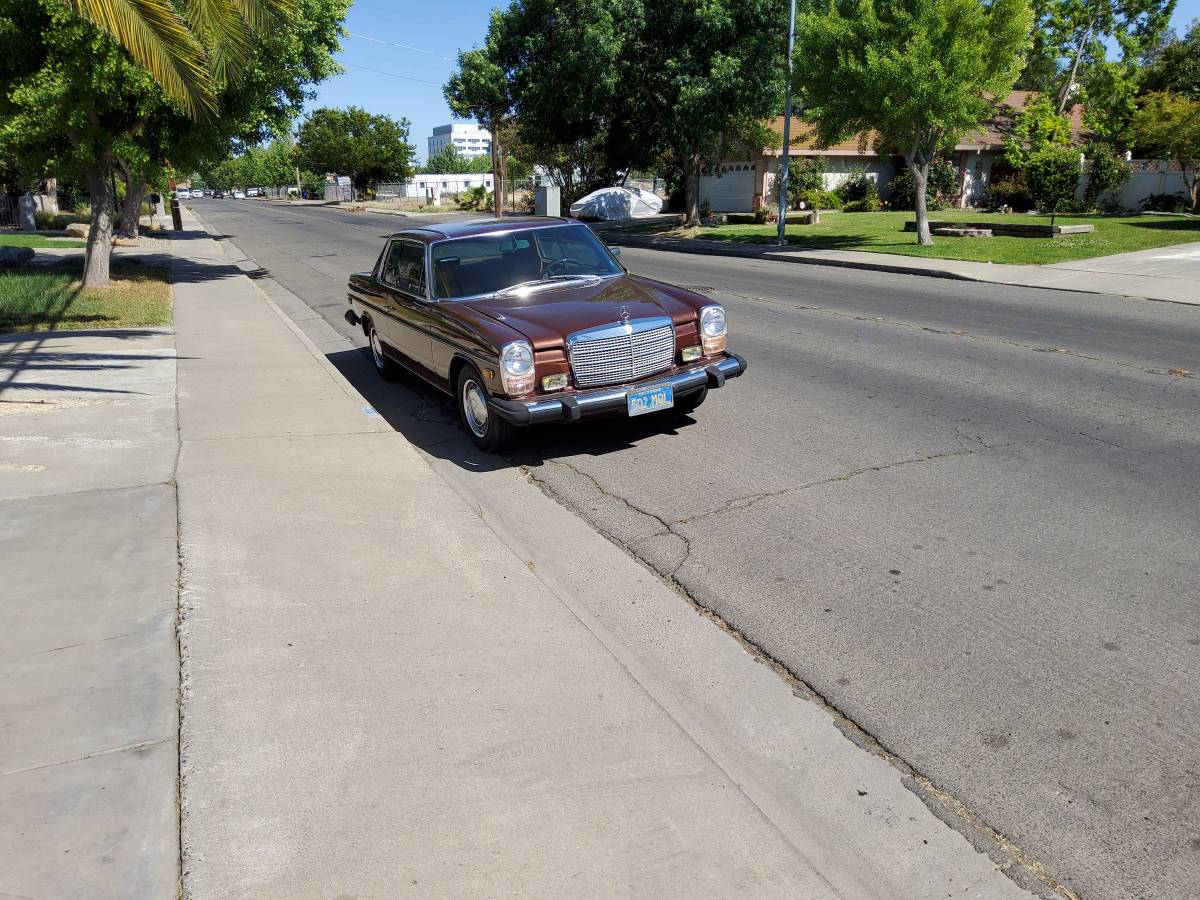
(389, 268)
(404, 268)
(412, 269)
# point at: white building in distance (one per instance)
(468, 139)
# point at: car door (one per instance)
(403, 277)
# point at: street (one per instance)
(964, 515)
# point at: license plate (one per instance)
(650, 400)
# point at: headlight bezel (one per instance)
(517, 368)
(713, 326)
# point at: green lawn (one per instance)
(50, 299)
(25, 239)
(883, 232)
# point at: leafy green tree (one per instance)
(1175, 69)
(1052, 176)
(449, 160)
(481, 88)
(72, 95)
(1079, 30)
(354, 142)
(1169, 125)
(704, 77)
(1036, 126)
(75, 104)
(916, 73)
(1108, 172)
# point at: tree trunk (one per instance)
(1066, 90)
(52, 195)
(691, 189)
(497, 176)
(99, 246)
(920, 176)
(131, 206)
(1192, 184)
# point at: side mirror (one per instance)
(615, 251)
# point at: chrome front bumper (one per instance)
(608, 400)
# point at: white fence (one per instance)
(1150, 176)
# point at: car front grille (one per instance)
(623, 352)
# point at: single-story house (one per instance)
(739, 185)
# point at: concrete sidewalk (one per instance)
(383, 698)
(1166, 273)
(88, 663)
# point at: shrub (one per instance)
(1176, 203)
(475, 198)
(806, 175)
(47, 221)
(1010, 192)
(821, 200)
(1107, 174)
(857, 187)
(706, 210)
(762, 215)
(1052, 175)
(940, 187)
(867, 204)
(861, 193)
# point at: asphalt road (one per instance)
(966, 515)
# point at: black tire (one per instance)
(387, 369)
(489, 432)
(686, 405)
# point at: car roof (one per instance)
(444, 230)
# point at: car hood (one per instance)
(546, 317)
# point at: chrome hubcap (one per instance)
(376, 348)
(475, 409)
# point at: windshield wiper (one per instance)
(550, 279)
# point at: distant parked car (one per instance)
(218, 194)
(239, 195)
(252, 192)
(526, 321)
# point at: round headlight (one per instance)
(712, 321)
(517, 359)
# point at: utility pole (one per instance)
(781, 234)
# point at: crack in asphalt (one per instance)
(752, 499)
(1012, 860)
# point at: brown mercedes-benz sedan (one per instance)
(534, 320)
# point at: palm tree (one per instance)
(185, 48)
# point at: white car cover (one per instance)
(615, 203)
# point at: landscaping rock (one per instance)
(963, 232)
(79, 230)
(13, 257)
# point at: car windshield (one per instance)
(524, 259)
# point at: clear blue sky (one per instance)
(438, 30)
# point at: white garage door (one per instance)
(732, 190)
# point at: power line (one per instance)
(363, 37)
(391, 74)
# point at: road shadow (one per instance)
(428, 419)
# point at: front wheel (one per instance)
(489, 432)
